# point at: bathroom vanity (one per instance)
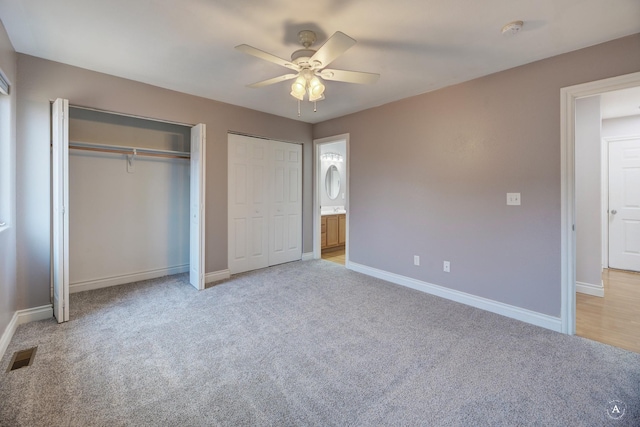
(334, 231)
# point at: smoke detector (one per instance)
(512, 28)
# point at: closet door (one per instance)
(248, 203)
(60, 211)
(196, 203)
(285, 219)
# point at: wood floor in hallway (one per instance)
(615, 318)
(337, 256)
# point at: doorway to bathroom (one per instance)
(331, 199)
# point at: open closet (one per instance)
(265, 202)
(128, 201)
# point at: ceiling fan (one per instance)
(310, 64)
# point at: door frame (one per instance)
(60, 212)
(568, 97)
(317, 179)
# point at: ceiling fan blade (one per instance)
(273, 80)
(337, 44)
(349, 76)
(245, 48)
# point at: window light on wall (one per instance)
(4, 84)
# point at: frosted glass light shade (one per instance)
(298, 88)
(316, 89)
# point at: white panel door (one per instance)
(285, 219)
(196, 206)
(248, 202)
(60, 211)
(624, 204)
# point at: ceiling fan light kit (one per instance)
(310, 65)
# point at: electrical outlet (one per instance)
(446, 267)
(416, 260)
(513, 199)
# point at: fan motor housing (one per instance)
(301, 57)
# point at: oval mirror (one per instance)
(332, 182)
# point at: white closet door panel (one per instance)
(60, 211)
(285, 233)
(248, 185)
(240, 234)
(196, 203)
(293, 232)
(240, 188)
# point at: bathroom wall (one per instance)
(339, 147)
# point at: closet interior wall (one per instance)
(129, 220)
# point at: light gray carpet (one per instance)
(309, 344)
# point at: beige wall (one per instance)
(429, 174)
(42, 81)
(429, 177)
(7, 185)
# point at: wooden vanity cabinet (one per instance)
(323, 232)
(333, 231)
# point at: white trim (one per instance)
(106, 282)
(590, 289)
(5, 339)
(307, 256)
(317, 252)
(21, 317)
(216, 276)
(568, 96)
(524, 315)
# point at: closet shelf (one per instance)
(120, 149)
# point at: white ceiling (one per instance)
(415, 45)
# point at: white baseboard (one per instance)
(307, 256)
(105, 282)
(216, 276)
(524, 315)
(590, 289)
(20, 317)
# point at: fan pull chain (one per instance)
(298, 108)
(314, 107)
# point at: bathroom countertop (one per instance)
(333, 212)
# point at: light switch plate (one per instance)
(513, 199)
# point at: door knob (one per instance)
(613, 212)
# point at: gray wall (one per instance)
(42, 81)
(429, 176)
(7, 185)
(588, 164)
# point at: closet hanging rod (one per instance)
(120, 149)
